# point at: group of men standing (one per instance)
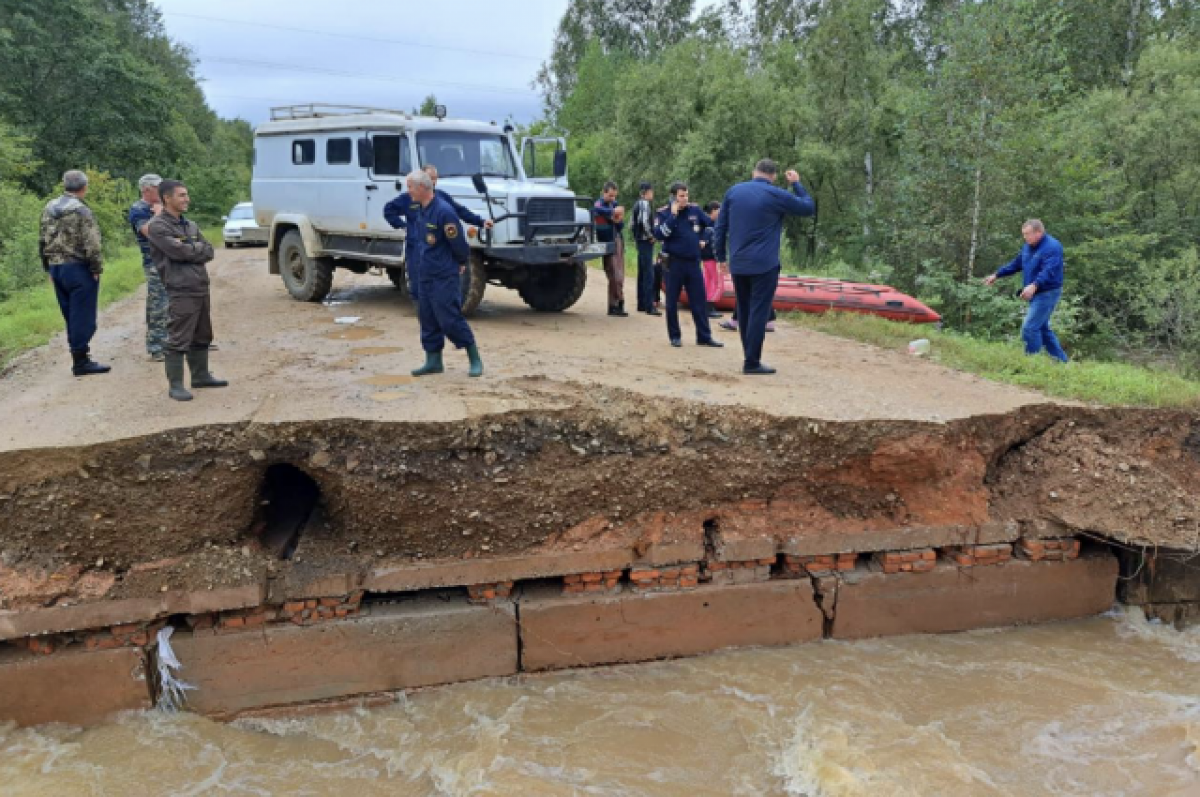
(744, 239)
(174, 260)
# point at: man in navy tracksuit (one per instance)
(1041, 265)
(402, 212)
(680, 226)
(443, 251)
(749, 230)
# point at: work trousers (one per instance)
(77, 291)
(439, 310)
(686, 275)
(645, 282)
(189, 325)
(614, 269)
(755, 296)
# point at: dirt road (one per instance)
(292, 361)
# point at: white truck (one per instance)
(323, 173)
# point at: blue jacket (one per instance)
(442, 239)
(681, 233)
(751, 224)
(139, 216)
(402, 212)
(607, 230)
(1041, 264)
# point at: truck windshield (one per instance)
(461, 154)
(241, 213)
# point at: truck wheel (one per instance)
(554, 288)
(473, 282)
(399, 278)
(307, 278)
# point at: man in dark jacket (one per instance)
(643, 236)
(180, 254)
(680, 227)
(69, 242)
(749, 230)
(1041, 265)
(609, 218)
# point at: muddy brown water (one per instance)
(1107, 706)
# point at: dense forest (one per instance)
(98, 85)
(928, 130)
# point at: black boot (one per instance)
(617, 309)
(83, 365)
(202, 377)
(174, 367)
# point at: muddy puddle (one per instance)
(354, 333)
(1107, 706)
(388, 380)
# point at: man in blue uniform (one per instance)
(443, 252)
(748, 231)
(1041, 265)
(643, 236)
(680, 226)
(402, 211)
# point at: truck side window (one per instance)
(337, 151)
(304, 152)
(392, 156)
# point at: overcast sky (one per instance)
(479, 61)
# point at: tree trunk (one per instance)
(869, 168)
(977, 203)
(1131, 38)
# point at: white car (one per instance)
(241, 228)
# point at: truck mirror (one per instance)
(366, 153)
(560, 163)
(477, 181)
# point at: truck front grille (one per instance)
(541, 211)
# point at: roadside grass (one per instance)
(1108, 383)
(31, 317)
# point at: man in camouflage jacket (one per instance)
(69, 244)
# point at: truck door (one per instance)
(385, 177)
(544, 160)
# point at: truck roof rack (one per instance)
(316, 110)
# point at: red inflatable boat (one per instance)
(816, 295)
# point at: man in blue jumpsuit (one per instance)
(1041, 265)
(680, 226)
(402, 212)
(749, 229)
(443, 252)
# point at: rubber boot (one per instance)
(433, 364)
(201, 377)
(476, 361)
(83, 365)
(174, 365)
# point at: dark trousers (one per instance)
(77, 291)
(686, 275)
(439, 309)
(755, 295)
(645, 285)
(659, 282)
(412, 263)
(189, 324)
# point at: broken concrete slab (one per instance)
(104, 613)
(898, 538)
(413, 644)
(558, 632)
(949, 598)
(77, 687)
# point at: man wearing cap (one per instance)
(140, 214)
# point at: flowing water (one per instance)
(1108, 706)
